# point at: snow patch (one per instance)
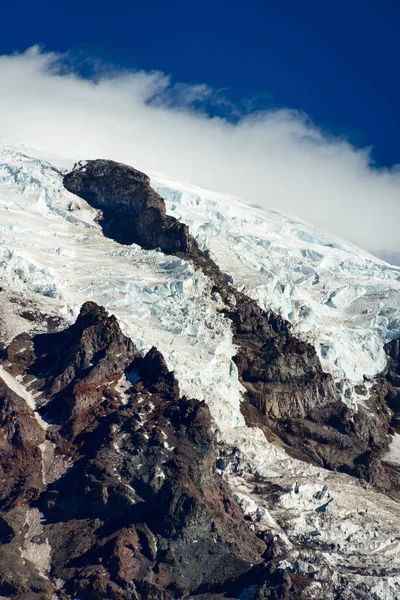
(393, 456)
(22, 392)
(37, 553)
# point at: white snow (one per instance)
(340, 298)
(318, 510)
(393, 456)
(53, 465)
(122, 388)
(17, 387)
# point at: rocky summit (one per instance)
(198, 398)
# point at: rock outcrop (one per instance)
(393, 381)
(136, 214)
(109, 489)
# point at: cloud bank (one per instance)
(277, 158)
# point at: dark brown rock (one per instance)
(20, 455)
(138, 509)
(131, 211)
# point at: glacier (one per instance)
(54, 257)
(341, 299)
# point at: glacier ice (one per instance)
(336, 296)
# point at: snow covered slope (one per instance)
(337, 296)
(54, 257)
(54, 254)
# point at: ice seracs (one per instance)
(338, 297)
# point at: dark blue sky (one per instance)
(336, 60)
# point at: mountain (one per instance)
(199, 398)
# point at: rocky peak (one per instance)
(131, 211)
(119, 481)
(100, 180)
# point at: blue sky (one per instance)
(337, 61)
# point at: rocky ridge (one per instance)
(288, 394)
(109, 489)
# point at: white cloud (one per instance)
(277, 158)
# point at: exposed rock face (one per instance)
(131, 212)
(20, 457)
(288, 394)
(115, 494)
(393, 381)
(282, 374)
(136, 214)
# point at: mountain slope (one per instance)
(318, 389)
